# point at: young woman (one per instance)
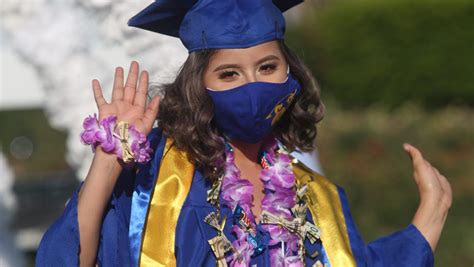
(221, 186)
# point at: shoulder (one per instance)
(163, 146)
(158, 141)
(304, 174)
(155, 135)
(321, 184)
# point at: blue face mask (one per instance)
(248, 112)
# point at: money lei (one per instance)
(220, 244)
(297, 225)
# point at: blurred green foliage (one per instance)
(49, 145)
(362, 151)
(369, 51)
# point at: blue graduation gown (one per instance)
(122, 228)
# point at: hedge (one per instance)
(390, 52)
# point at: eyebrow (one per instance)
(236, 66)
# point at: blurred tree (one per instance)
(370, 51)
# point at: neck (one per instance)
(246, 151)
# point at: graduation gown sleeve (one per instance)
(60, 244)
(406, 247)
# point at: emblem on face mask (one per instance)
(281, 107)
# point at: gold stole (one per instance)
(173, 185)
(325, 207)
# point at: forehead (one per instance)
(250, 54)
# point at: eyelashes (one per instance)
(265, 69)
(227, 74)
(269, 67)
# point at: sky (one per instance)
(19, 84)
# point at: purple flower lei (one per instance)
(103, 133)
(280, 196)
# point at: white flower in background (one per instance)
(69, 43)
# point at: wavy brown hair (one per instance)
(186, 113)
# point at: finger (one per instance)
(140, 96)
(443, 181)
(447, 195)
(415, 155)
(131, 84)
(117, 92)
(98, 96)
(152, 110)
(446, 189)
(428, 163)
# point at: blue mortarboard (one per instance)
(202, 24)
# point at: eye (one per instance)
(268, 68)
(227, 74)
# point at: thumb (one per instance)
(414, 153)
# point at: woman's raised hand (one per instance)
(128, 101)
(128, 104)
(435, 197)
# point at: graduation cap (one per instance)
(203, 24)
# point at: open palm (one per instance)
(435, 197)
(128, 101)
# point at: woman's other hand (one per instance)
(128, 101)
(435, 197)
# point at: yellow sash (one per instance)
(173, 185)
(325, 207)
